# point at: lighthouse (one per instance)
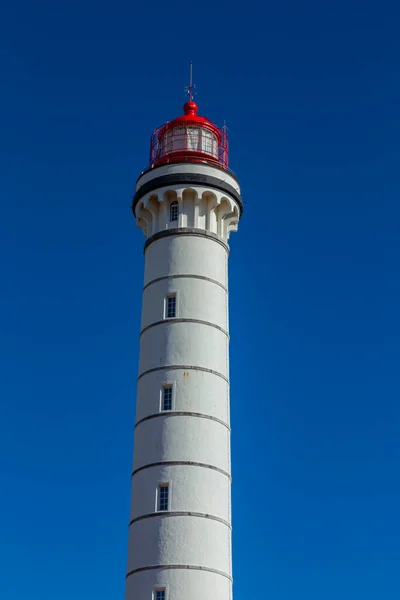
(187, 203)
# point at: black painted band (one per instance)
(175, 320)
(181, 413)
(189, 567)
(180, 231)
(183, 368)
(181, 463)
(185, 162)
(180, 514)
(191, 179)
(185, 277)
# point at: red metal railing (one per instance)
(188, 143)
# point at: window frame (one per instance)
(159, 589)
(171, 296)
(170, 388)
(161, 486)
(174, 205)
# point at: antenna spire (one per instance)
(189, 89)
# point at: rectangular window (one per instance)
(167, 398)
(174, 211)
(163, 497)
(160, 595)
(171, 307)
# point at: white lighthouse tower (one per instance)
(187, 203)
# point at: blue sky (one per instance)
(310, 92)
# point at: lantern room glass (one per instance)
(192, 139)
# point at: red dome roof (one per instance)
(190, 108)
(190, 117)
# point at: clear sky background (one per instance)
(310, 92)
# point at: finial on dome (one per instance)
(190, 108)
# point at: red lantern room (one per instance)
(189, 138)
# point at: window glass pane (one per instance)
(178, 138)
(163, 497)
(194, 139)
(167, 142)
(167, 398)
(210, 144)
(171, 307)
(160, 595)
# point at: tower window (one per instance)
(167, 398)
(163, 493)
(159, 595)
(171, 307)
(174, 211)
